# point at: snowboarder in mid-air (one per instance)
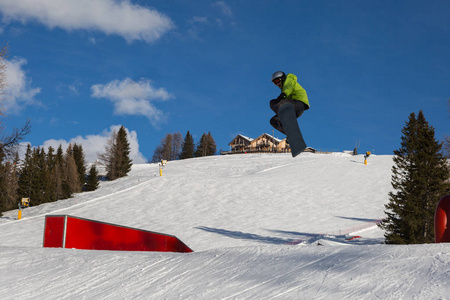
(293, 100)
(291, 92)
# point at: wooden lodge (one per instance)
(240, 143)
(262, 144)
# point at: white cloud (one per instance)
(120, 17)
(226, 10)
(197, 23)
(95, 144)
(72, 88)
(18, 90)
(201, 20)
(133, 98)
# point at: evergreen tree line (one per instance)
(54, 175)
(42, 176)
(420, 178)
(173, 147)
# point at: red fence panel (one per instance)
(87, 234)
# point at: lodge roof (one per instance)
(270, 136)
(242, 136)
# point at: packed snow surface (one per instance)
(262, 226)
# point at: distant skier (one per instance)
(291, 92)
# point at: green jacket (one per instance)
(294, 90)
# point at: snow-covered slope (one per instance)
(262, 226)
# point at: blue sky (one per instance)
(79, 69)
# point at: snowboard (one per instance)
(286, 113)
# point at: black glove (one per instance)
(282, 96)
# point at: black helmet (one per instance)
(278, 74)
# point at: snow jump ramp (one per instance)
(63, 231)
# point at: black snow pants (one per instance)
(275, 105)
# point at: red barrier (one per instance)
(441, 218)
(78, 233)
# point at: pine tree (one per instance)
(48, 186)
(11, 185)
(206, 146)
(92, 179)
(59, 173)
(10, 181)
(3, 182)
(80, 161)
(123, 153)
(71, 182)
(201, 147)
(420, 178)
(211, 148)
(108, 157)
(447, 146)
(25, 176)
(187, 150)
(39, 182)
(116, 157)
(46, 178)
